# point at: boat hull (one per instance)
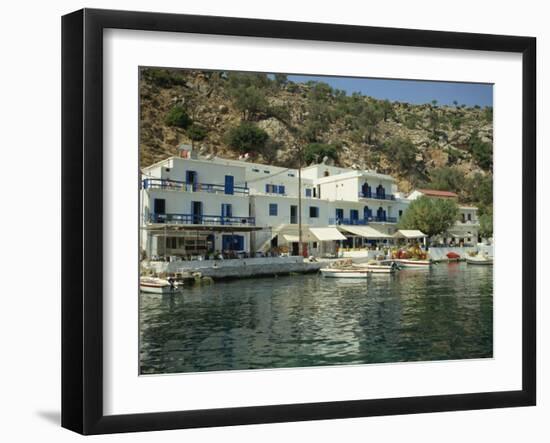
(344, 273)
(483, 262)
(413, 263)
(156, 286)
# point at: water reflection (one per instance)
(442, 313)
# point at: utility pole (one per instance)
(300, 236)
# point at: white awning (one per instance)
(365, 231)
(327, 234)
(409, 233)
(291, 238)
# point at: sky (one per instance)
(410, 91)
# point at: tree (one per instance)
(387, 109)
(196, 133)
(315, 152)
(251, 101)
(281, 80)
(177, 116)
(247, 137)
(432, 216)
(486, 224)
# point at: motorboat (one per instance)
(479, 259)
(154, 285)
(379, 267)
(412, 263)
(354, 272)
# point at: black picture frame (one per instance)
(82, 218)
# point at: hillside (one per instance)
(228, 114)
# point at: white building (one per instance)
(195, 206)
(466, 229)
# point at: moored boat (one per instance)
(344, 272)
(381, 267)
(479, 259)
(412, 263)
(155, 285)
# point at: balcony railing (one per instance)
(361, 221)
(158, 183)
(377, 196)
(193, 219)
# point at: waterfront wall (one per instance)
(441, 253)
(250, 267)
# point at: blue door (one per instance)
(191, 180)
(232, 242)
(229, 184)
(381, 214)
(339, 215)
(367, 213)
(196, 213)
(227, 213)
(354, 216)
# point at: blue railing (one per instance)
(158, 183)
(348, 221)
(377, 196)
(193, 219)
(360, 221)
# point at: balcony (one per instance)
(376, 196)
(158, 183)
(193, 219)
(361, 221)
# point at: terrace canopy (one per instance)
(365, 231)
(327, 234)
(409, 234)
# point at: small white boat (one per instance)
(344, 272)
(479, 259)
(155, 285)
(388, 267)
(410, 263)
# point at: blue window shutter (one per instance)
(229, 184)
(281, 189)
(308, 192)
(267, 189)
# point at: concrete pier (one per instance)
(237, 268)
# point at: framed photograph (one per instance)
(269, 221)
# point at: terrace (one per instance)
(176, 185)
(376, 196)
(361, 221)
(195, 219)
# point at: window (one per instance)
(291, 174)
(255, 170)
(400, 213)
(313, 212)
(463, 217)
(469, 219)
(273, 210)
(266, 171)
(269, 189)
(354, 214)
(308, 192)
(281, 189)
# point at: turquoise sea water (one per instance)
(296, 321)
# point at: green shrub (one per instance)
(177, 116)
(196, 132)
(315, 152)
(247, 137)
